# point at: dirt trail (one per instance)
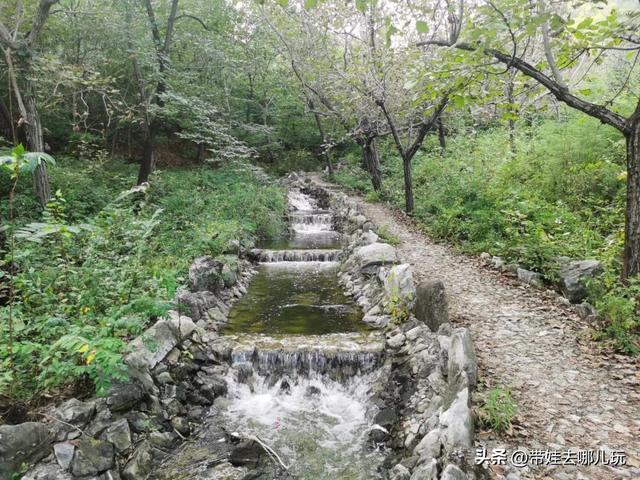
(569, 395)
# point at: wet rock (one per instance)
(530, 278)
(24, 443)
(205, 274)
(462, 357)
(64, 454)
(163, 439)
(573, 276)
(140, 464)
(92, 457)
(247, 454)
(312, 391)
(371, 257)
(119, 435)
(431, 305)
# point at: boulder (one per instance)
(398, 282)
(452, 472)
(371, 257)
(205, 274)
(140, 464)
(429, 447)
(119, 434)
(64, 454)
(531, 278)
(92, 457)
(75, 412)
(426, 471)
(195, 304)
(431, 304)
(399, 472)
(124, 396)
(457, 423)
(247, 454)
(573, 275)
(24, 443)
(462, 358)
(45, 471)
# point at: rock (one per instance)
(396, 341)
(119, 435)
(399, 472)
(586, 311)
(451, 472)
(45, 471)
(312, 391)
(369, 237)
(398, 283)
(429, 447)
(140, 464)
(205, 274)
(152, 346)
(75, 412)
(92, 457)
(139, 422)
(531, 278)
(572, 277)
(195, 305)
(24, 443)
(247, 454)
(462, 357)
(163, 439)
(64, 454)
(229, 277)
(427, 471)
(164, 378)
(497, 262)
(485, 257)
(371, 257)
(457, 423)
(431, 305)
(124, 396)
(181, 425)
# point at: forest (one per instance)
(137, 135)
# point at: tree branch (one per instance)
(39, 20)
(193, 17)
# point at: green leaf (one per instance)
(361, 5)
(309, 4)
(283, 3)
(422, 26)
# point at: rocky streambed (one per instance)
(314, 357)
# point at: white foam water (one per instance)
(318, 426)
(300, 201)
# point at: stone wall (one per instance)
(424, 406)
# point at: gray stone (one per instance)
(429, 447)
(573, 276)
(396, 341)
(45, 471)
(64, 454)
(152, 346)
(139, 422)
(371, 257)
(452, 472)
(497, 262)
(92, 457)
(163, 439)
(368, 238)
(140, 464)
(462, 357)
(398, 282)
(205, 273)
(530, 278)
(124, 396)
(586, 311)
(431, 304)
(75, 412)
(181, 425)
(457, 423)
(195, 304)
(164, 378)
(119, 435)
(399, 472)
(24, 443)
(426, 471)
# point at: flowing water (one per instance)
(303, 362)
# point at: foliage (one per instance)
(84, 290)
(498, 409)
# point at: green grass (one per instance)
(497, 410)
(561, 194)
(80, 296)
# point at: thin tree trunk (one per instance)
(372, 162)
(323, 138)
(202, 153)
(147, 165)
(441, 135)
(408, 186)
(631, 265)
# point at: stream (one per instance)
(303, 362)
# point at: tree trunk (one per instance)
(372, 162)
(631, 264)
(202, 153)
(441, 136)
(148, 163)
(408, 186)
(35, 143)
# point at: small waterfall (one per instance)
(300, 201)
(270, 256)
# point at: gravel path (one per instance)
(569, 394)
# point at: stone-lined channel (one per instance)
(302, 360)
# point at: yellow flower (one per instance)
(90, 357)
(84, 348)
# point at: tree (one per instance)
(515, 25)
(23, 46)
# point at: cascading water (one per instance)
(301, 362)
